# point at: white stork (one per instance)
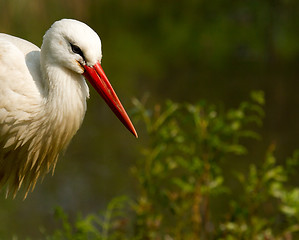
(43, 99)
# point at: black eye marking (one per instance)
(77, 50)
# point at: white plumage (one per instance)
(43, 98)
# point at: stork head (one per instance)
(75, 46)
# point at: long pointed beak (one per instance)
(97, 78)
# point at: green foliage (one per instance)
(181, 180)
(268, 209)
(108, 225)
(181, 169)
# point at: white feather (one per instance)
(42, 100)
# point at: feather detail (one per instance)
(31, 147)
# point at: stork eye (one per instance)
(77, 50)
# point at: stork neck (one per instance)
(65, 91)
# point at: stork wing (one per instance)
(20, 96)
(20, 84)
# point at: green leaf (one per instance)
(258, 96)
(185, 186)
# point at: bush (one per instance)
(181, 180)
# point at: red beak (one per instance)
(97, 78)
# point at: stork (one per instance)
(43, 99)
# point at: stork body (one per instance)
(43, 98)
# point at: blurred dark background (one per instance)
(180, 50)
